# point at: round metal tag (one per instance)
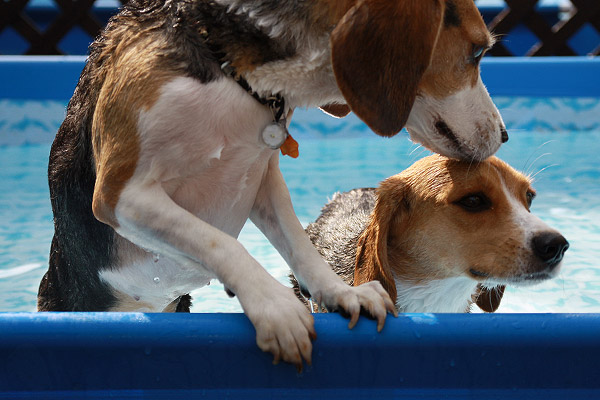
(274, 135)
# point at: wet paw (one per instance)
(368, 299)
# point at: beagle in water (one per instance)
(170, 144)
(440, 235)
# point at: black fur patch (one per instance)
(444, 130)
(184, 303)
(81, 245)
(451, 16)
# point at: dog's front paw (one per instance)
(284, 327)
(348, 300)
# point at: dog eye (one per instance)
(474, 202)
(477, 53)
(530, 197)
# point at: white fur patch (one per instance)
(209, 159)
(469, 113)
(451, 295)
(156, 281)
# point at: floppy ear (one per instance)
(489, 299)
(372, 258)
(337, 110)
(380, 50)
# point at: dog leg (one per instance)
(274, 215)
(148, 217)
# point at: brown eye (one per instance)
(476, 202)
(530, 196)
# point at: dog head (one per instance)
(443, 218)
(416, 64)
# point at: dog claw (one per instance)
(353, 320)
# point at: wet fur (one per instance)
(158, 141)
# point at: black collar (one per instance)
(275, 102)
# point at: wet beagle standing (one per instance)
(171, 141)
(440, 235)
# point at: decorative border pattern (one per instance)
(29, 122)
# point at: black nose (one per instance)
(504, 135)
(550, 247)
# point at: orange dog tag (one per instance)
(290, 147)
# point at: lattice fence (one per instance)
(553, 39)
(45, 26)
(524, 28)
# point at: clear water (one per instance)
(558, 144)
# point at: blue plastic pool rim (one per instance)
(419, 355)
(55, 77)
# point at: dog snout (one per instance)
(503, 134)
(549, 247)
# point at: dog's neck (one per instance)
(451, 295)
(283, 51)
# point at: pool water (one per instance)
(556, 146)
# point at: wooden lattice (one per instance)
(553, 38)
(72, 13)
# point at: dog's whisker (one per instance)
(543, 169)
(527, 164)
(417, 147)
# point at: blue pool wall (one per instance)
(130, 355)
(55, 77)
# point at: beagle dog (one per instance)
(170, 144)
(440, 235)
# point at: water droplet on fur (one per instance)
(156, 279)
(155, 257)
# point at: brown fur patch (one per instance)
(380, 50)
(132, 82)
(373, 256)
(451, 69)
(327, 13)
(337, 110)
(489, 299)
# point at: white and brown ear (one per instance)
(372, 258)
(380, 50)
(489, 299)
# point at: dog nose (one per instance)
(550, 247)
(504, 134)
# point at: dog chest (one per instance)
(202, 143)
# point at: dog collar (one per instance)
(275, 135)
